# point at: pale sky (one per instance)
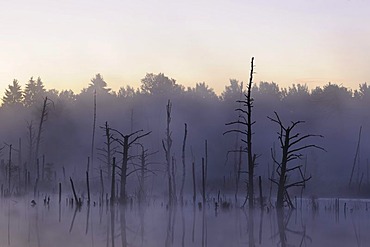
(67, 42)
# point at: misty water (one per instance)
(319, 222)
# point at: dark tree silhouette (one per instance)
(43, 117)
(183, 165)
(126, 141)
(291, 147)
(159, 85)
(167, 144)
(232, 91)
(13, 95)
(97, 85)
(106, 153)
(245, 120)
(144, 170)
(34, 92)
(202, 91)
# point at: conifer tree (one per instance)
(13, 95)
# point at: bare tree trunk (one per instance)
(260, 189)
(42, 120)
(43, 167)
(10, 168)
(167, 149)
(249, 139)
(203, 183)
(142, 177)
(102, 184)
(124, 169)
(356, 155)
(74, 192)
(237, 175)
(206, 160)
(88, 187)
(194, 184)
(289, 142)
(93, 133)
(246, 121)
(113, 193)
(183, 166)
(126, 144)
(108, 136)
(173, 170)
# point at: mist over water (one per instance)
(152, 224)
(332, 111)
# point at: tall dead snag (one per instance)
(31, 145)
(356, 157)
(183, 166)
(173, 171)
(113, 184)
(245, 120)
(93, 133)
(44, 114)
(126, 142)
(10, 169)
(291, 147)
(143, 171)
(167, 144)
(194, 184)
(106, 153)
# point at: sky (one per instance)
(293, 41)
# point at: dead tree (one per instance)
(356, 157)
(167, 144)
(10, 168)
(31, 145)
(43, 117)
(126, 142)
(245, 120)
(93, 133)
(113, 184)
(144, 169)
(291, 147)
(106, 153)
(183, 166)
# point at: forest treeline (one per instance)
(334, 111)
(161, 85)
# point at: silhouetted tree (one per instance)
(245, 120)
(232, 91)
(291, 147)
(98, 85)
(167, 144)
(363, 93)
(183, 165)
(128, 92)
(297, 92)
(33, 92)
(67, 95)
(268, 91)
(43, 117)
(159, 85)
(13, 95)
(202, 91)
(126, 142)
(144, 169)
(106, 153)
(331, 97)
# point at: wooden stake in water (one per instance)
(74, 192)
(88, 187)
(60, 193)
(203, 182)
